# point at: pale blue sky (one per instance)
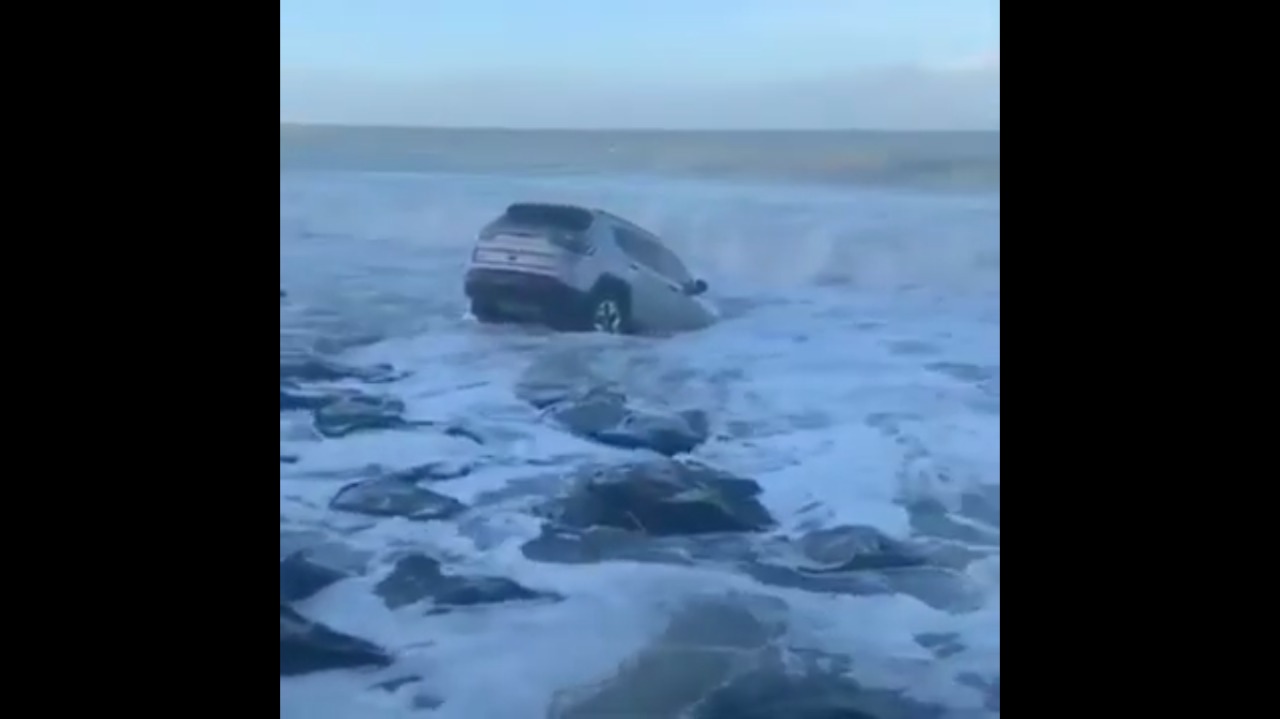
(625, 63)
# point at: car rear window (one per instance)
(559, 217)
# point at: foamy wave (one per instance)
(863, 419)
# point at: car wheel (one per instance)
(610, 313)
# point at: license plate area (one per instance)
(516, 307)
(515, 258)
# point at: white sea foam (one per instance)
(857, 370)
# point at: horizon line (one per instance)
(500, 128)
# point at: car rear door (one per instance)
(686, 311)
(653, 295)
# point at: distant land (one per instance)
(326, 126)
(960, 159)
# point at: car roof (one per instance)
(623, 221)
(578, 218)
(580, 211)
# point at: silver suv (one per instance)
(574, 268)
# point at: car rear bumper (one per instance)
(526, 296)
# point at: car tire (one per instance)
(609, 311)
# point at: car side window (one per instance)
(637, 247)
(671, 266)
(652, 255)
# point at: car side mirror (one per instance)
(695, 288)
